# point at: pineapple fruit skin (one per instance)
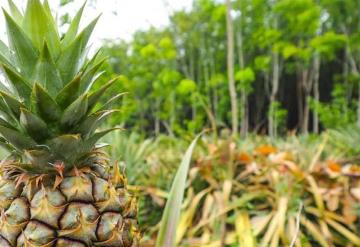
(86, 209)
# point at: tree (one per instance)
(230, 68)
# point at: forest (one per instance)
(236, 124)
(294, 66)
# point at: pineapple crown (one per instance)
(46, 106)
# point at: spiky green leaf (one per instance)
(93, 139)
(39, 159)
(95, 96)
(170, 218)
(40, 27)
(46, 72)
(51, 18)
(6, 124)
(15, 12)
(19, 140)
(33, 125)
(74, 27)
(6, 145)
(69, 93)
(89, 125)
(108, 103)
(6, 113)
(75, 112)
(65, 146)
(14, 104)
(91, 76)
(69, 60)
(5, 55)
(45, 105)
(20, 84)
(25, 52)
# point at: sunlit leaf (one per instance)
(171, 215)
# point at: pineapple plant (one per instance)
(58, 187)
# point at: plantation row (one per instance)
(253, 192)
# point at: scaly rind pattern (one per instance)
(84, 210)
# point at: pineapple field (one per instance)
(197, 123)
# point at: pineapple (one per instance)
(57, 186)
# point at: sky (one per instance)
(120, 18)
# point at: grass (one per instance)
(248, 192)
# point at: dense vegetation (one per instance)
(251, 192)
(278, 83)
(246, 67)
(241, 67)
(296, 67)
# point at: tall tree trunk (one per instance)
(306, 86)
(192, 63)
(172, 119)
(214, 89)
(157, 117)
(300, 100)
(230, 68)
(316, 91)
(354, 70)
(243, 95)
(348, 84)
(274, 90)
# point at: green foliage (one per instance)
(279, 116)
(328, 43)
(148, 51)
(345, 140)
(282, 175)
(164, 67)
(186, 87)
(289, 50)
(339, 112)
(245, 77)
(262, 63)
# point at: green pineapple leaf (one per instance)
(171, 215)
(40, 27)
(52, 20)
(46, 72)
(95, 96)
(74, 27)
(6, 145)
(69, 93)
(15, 12)
(93, 139)
(89, 125)
(39, 159)
(45, 105)
(26, 54)
(90, 76)
(108, 103)
(20, 84)
(68, 62)
(65, 146)
(33, 125)
(19, 140)
(6, 112)
(74, 112)
(6, 124)
(14, 104)
(5, 55)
